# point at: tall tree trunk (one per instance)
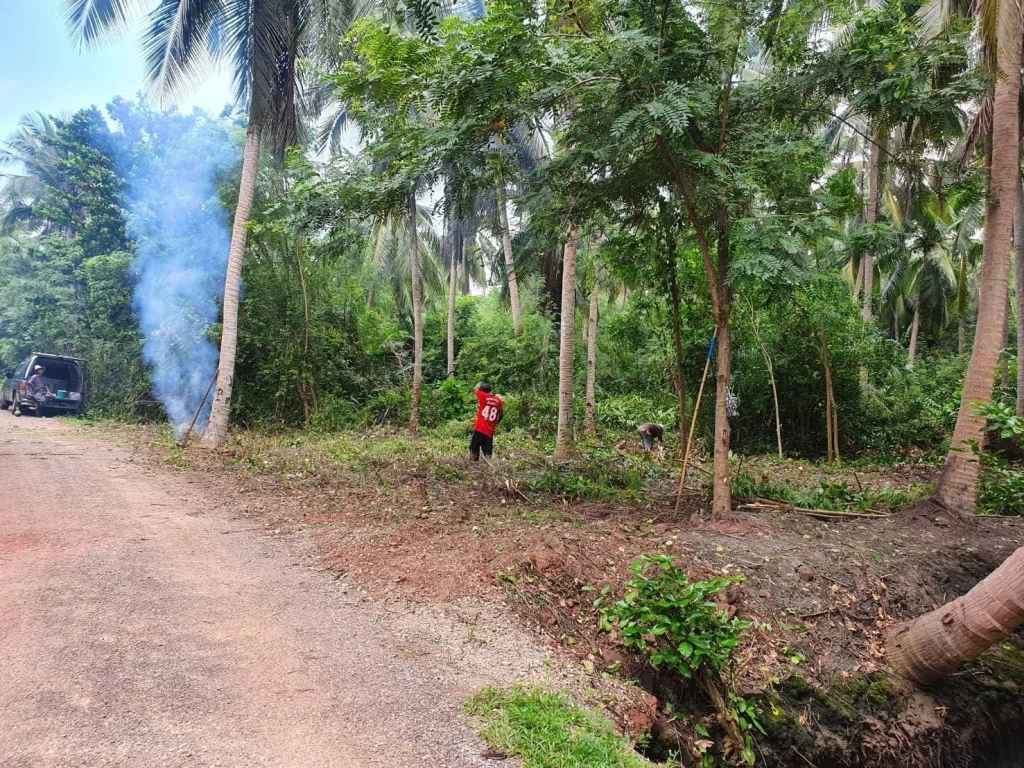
(590, 425)
(217, 429)
(585, 329)
(417, 316)
(721, 299)
(958, 484)
(871, 218)
(1018, 269)
(721, 499)
(452, 291)
(831, 416)
(677, 342)
(961, 337)
(565, 443)
(306, 388)
(771, 375)
(1004, 350)
(938, 643)
(510, 264)
(914, 330)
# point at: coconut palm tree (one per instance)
(565, 441)
(958, 483)
(389, 254)
(263, 40)
(590, 421)
(29, 150)
(460, 251)
(931, 271)
(938, 643)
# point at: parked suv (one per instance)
(63, 377)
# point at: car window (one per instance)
(22, 373)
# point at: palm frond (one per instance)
(175, 44)
(93, 22)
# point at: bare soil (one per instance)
(145, 622)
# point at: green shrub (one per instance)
(1000, 484)
(533, 412)
(388, 407)
(455, 400)
(524, 363)
(627, 412)
(1000, 487)
(334, 414)
(673, 622)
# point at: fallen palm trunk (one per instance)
(938, 643)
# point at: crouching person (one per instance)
(649, 433)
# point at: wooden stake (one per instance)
(693, 421)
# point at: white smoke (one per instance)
(181, 233)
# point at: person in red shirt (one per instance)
(490, 411)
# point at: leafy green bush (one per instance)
(334, 413)
(1002, 419)
(674, 622)
(629, 411)
(524, 363)
(533, 412)
(390, 406)
(1000, 487)
(455, 400)
(1000, 484)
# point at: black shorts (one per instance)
(481, 442)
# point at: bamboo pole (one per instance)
(693, 421)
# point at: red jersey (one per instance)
(487, 414)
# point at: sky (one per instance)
(42, 71)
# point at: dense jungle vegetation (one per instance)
(838, 173)
(788, 227)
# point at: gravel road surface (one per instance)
(142, 626)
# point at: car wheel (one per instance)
(4, 403)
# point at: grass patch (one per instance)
(545, 730)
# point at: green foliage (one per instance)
(521, 364)
(455, 399)
(676, 624)
(302, 345)
(627, 412)
(592, 479)
(1002, 420)
(545, 730)
(1000, 484)
(68, 289)
(828, 495)
(534, 412)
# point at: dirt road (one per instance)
(139, 626)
